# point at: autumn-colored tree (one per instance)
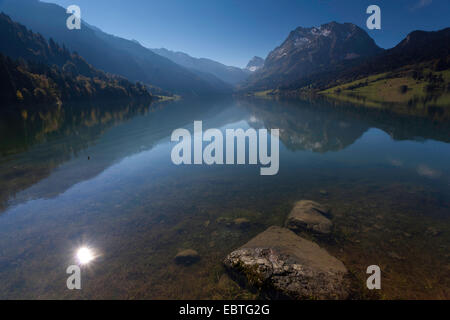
(19, 96)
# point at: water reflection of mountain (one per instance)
(319, 126)
(36, 142)
(45, 153)
(305, 128)
(73, 144)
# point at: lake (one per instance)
(101, 175)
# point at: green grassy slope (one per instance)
(420, 85)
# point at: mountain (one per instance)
(307, 51)
(416, 72)
(228, 74)
(416, 48)
(107, 52)
(33, 70)
(255, 64)
(17, 42)
(422, 45)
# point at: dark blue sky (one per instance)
(233, 31)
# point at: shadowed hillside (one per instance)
(107, 52)
(36, 71)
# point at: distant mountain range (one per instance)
(33, 70)
(228, 74)
(110, 53)
(336, 59)
(342, 61)
(308, 51)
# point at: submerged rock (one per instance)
(187, 257)
(395, 255)
(241, 222)
(224, 220)
(225, 282)
(309, 216)
(283, 265)
(432, 232)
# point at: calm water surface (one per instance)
(102, 176)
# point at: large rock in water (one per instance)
(309, 216)
(284, 265)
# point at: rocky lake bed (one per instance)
(280, 264)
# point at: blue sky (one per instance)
(233, 31)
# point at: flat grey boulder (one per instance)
(283, 265)
(309, 216)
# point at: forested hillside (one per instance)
(33, 70)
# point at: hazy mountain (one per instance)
(33, 70)
(313, 50)
(107, 52)
(255, 64)
(213, 80)
(228, 74)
